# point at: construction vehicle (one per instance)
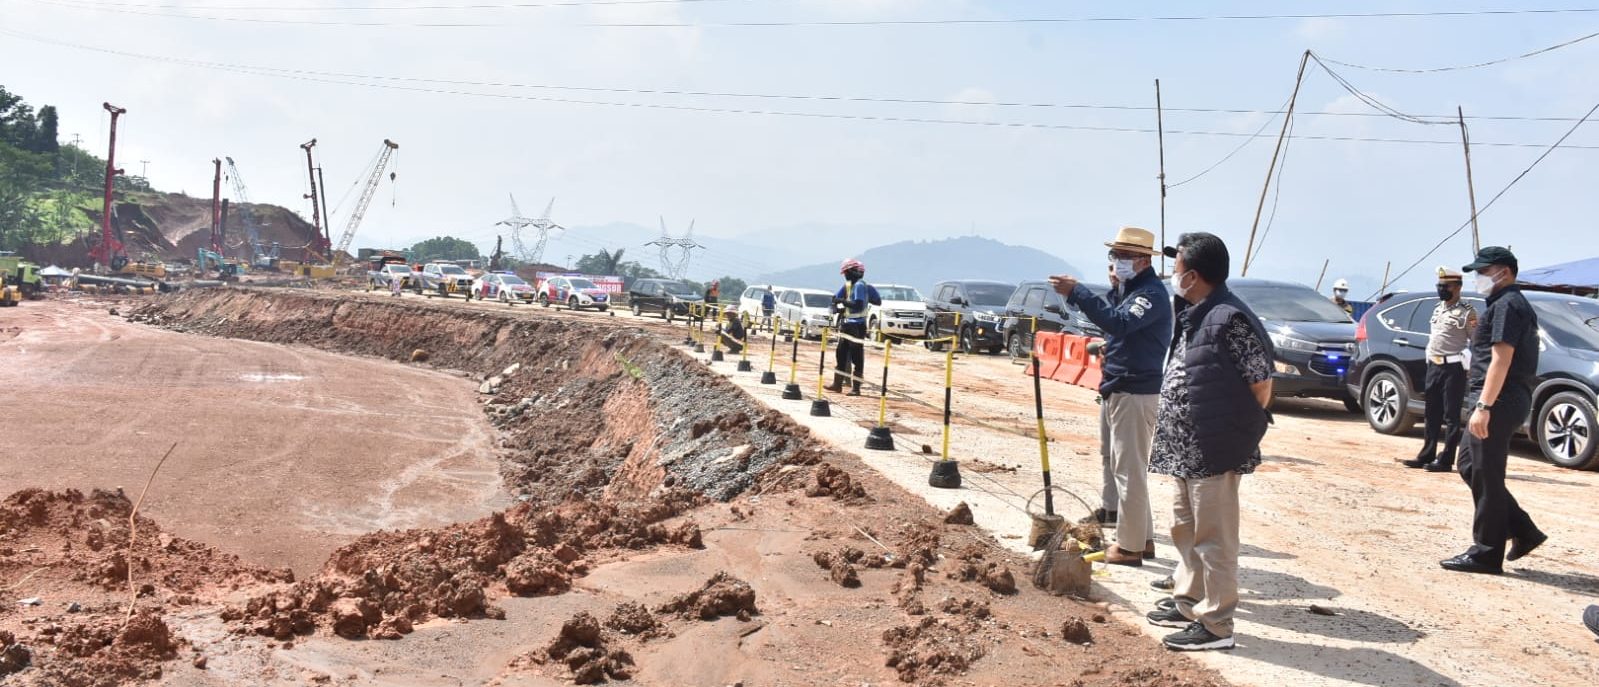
(261, 255)
(21, 274)
(9, 295)
(207, 260)
(374, 176)
(148, 268)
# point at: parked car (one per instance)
(506, 287)
(383, 277)
(1390, 368)
(446, 278)
(980, 305)
(668, 298)
(1314, 338)
(749, 303)
(902, 313)
(812, 309)
(1037, 299)
(576, 292)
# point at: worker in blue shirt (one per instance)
(851, 303)
(768, 306)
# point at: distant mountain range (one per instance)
(924, 263)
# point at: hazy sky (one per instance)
(1359, 203)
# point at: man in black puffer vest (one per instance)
(1211, 419)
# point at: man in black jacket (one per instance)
(1212, 417)
(1136, 318)
(1504, 369)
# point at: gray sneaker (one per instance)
(1590, 618)
(1167, 617)
(1196, 638)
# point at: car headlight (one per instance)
(1293, 344)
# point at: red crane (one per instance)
(110, 251)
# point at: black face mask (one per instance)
(853, 275)
(1446, 293)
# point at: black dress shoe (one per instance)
(1465, 563)
(1417, 462)
(1523, 546)
(1439, 466)
(1100, 516)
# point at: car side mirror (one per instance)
(1052, 308)
(957, 301)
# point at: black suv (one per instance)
(1390, 368)
(666, 297)
(1037, 299)
(1314, 339)
(980, 305)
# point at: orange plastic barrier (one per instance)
(1092, 374)
(1074, 358)
(1050, 352)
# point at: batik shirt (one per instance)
(1176, 451)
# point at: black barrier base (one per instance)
(699, 348)
(688, 341)
(792, 393)
(821, 408)
(745, 366)
(880, 439)
(946, 475)
(716, 356)
(768, 377)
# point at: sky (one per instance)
(846, 175)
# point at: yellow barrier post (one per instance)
(688, 332)
(1038, 410)
(697, 311)
(946, 473)
(881, 438)
(716, 344)
(820, 406)
(744, 351)
(792, 391)
(770, 375)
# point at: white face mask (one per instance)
(1485, 283)
(1124, 270)
(1177, 285)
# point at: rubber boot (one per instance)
(837, 385)
(855, 389)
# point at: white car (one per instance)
(902, 313)
(812, 309)
(749, 303)
(575, 292)
(506, 287)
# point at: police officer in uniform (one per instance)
(1504, 368)
(1341, 297)
(1452, 323)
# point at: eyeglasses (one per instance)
(1120, 255)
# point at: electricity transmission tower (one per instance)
(541, 226)
(675, 265)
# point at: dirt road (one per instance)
(283, 454)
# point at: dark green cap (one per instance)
(1493, 255)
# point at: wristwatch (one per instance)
(1484, 406)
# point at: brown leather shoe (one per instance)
(1116, 555)
(1149, 550)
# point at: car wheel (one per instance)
(505, 297)
(544, 299)
(1387, 403)
(968, 341)
(571, 303)
(1565, 431)
(1015, 346)
(636, 311)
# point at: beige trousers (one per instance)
(1129, 423)
(1205, 532)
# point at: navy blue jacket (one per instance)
(1137, 321)
(855, 297)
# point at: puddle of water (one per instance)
(270, 377)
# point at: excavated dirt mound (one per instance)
(71, 552)
(586, 650)
(722, 595)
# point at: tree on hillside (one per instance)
(446, 248)
(603, 263)
(732, 288)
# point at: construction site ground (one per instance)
(288, 454)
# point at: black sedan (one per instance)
(1390, 368)
(1314, 339)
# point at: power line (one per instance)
(861, 22)
(388, 8)
(1259, 133)
(1085, 20)
(1478, 65)
(1496, 197)
(318, 77)
(1372, 101)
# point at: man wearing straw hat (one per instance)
(1136, 317)
(1452, 322)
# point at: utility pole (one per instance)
(109, 252)
(216, 206)
(1385, 268)
(1160, 138)
(1471, 189)
(77, 142)
(1287, 117)
(144, 169)
(1323, 274)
